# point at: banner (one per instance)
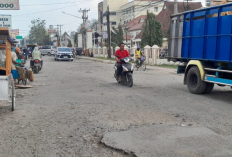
(9, 4)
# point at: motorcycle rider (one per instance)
(119, 54)
(36, 55)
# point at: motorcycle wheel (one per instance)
(129, 80)
(36, 70)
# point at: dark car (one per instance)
(78, 50)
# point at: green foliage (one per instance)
(38, 34)
(152, 33)
(118, 37)
(69, 43)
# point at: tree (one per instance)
(118, 37)
(120, 34)
(38, 34)
(152, 33)
(69, 43)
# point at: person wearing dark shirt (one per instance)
(119, 54)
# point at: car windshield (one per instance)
(64, 49)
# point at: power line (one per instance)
(144, 7)
(47, 4)
(53, 9)
(71, 15)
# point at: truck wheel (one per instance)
(194, 82)
(209, 88)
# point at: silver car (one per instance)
(63, 53)
(47, 50)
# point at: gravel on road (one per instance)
(72, 105)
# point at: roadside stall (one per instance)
(7, 87)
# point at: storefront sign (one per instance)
(9, 4)
(5, 21)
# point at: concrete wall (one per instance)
(89, 43)
(79, 40)
(151, 53)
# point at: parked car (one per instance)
(63, 53)
(47, 50)
(79, 50)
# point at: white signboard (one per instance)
(9, 4)
(104, 35)
(5, 21)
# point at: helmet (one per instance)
(17, 50)
(138, 47)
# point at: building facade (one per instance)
(137, 8)
(115, 12)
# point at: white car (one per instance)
(47, 50)
(63, 53)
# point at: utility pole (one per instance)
(108, 30)
(85, 18)
(175, 7)
(59, 40)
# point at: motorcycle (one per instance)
(36, 66)
(25, 55)
(127, 72)
(23, 58)
(163, 54)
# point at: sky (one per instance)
(33, 9)
(51, 11)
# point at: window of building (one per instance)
(165, 7)
(112, 13)
(156, 9)
(124, 22)
(113, 23)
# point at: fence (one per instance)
(152, 54)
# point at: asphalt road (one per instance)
(74, 104)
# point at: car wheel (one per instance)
(49, 54)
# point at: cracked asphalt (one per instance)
(72, 105)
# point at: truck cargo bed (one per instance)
(204, 34)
